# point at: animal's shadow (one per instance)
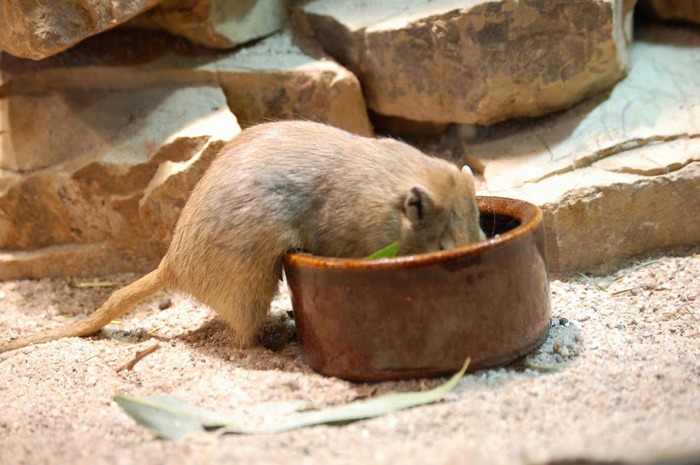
(278, 338)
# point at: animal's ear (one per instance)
(417, 204)
(467, 173)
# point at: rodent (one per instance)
(294, 186)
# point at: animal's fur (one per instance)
(286, 186)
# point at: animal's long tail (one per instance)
(118, 303)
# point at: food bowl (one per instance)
(423, 315)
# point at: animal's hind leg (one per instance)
(246, 303)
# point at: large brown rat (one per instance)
(286, 186)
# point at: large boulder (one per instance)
(480, 62)
(34, 29)
(279, 77)
(116, 169)
(596, 219)
(283, 78)
(618, 175)
(101, 145)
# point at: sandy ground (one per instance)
(620, 381)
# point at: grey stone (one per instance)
(657, 102)
(277, 79)
(596, 219)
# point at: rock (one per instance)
(220, 24)
(673, 10)
(615, 176)
(100, 145)
(654, 159)
(277, 79)
(39, 29)
(273, 79)
(445, 62)
(121, 165)
(595, 220)
(657, 102)
(114, 60)
(28, 139)
(69, 260)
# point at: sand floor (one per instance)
(620, 381)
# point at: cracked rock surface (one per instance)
(656, 104)
(115, 153)
(448, 61)
(36, 30)
(618, 174)
(101, 145)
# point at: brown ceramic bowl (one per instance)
(423, 315)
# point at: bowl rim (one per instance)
(529, 215)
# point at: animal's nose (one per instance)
(447, 243)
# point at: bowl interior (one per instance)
(494, 224)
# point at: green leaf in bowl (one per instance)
(389, 251)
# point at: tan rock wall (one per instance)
(277, 79)
(101, 144)
(37, 29)
(605, 219)
(480, 62)
(106, 153)
(618, 175)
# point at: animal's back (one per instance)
(300, 185)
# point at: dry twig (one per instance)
(137, 358)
